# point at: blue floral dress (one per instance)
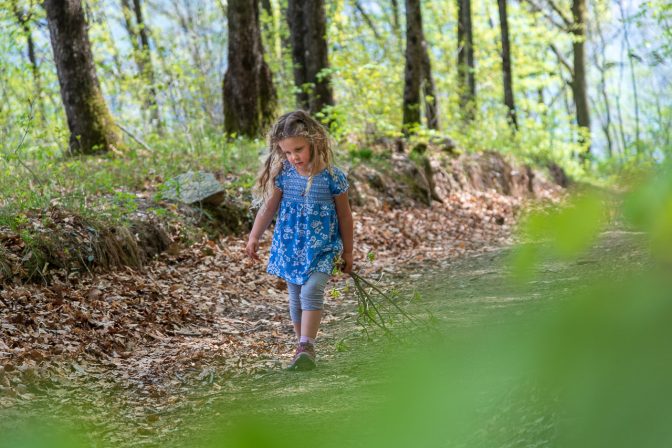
(306, 237)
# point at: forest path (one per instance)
(356, 377)
(133, 345)
(175, 388)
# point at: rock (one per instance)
(195, 187)
(445, 144)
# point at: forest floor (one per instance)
(135, 356)
(201, 397)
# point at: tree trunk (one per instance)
(308, 27)
(506, 64)
(579, 87)
(418, 72)
(413, 68)
(92, 128)
(249, 94)
(465, 59)
(431, 106)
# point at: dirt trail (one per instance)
(135, 350)
(201, 371)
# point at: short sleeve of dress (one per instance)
(338, 182)
(279, 180)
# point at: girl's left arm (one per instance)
(346, 228)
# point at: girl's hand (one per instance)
(346, 263)
(251, 249)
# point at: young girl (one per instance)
(313, 227)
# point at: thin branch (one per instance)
(390, 300)
(536, 8)
(137, 139)
(367, 19)
(558, 95)
(562, 59)
(568, 23)
(37, 178)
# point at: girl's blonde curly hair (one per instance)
(293, 124)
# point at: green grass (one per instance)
(87, 184)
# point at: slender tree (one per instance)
(418, 72)
(308, 27)
(465, 59)
(506, 64)
(272, 10)
(603, 66)
(370, 23)
(633, 76)
(576, 25)
(139, 35)
(249, 94)
(396, 26)
(579, 85)
(24, 18)
(92, 128)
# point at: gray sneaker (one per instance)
(304, 358)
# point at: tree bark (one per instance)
(92, 128)
(431, 106)
(249, 94)
(465, 60)
(579, 87)
(308, 27)
(506, 64)
(418, 73)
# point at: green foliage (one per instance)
(366, 68)
(104, 187)
(569, 232)
(649, 208)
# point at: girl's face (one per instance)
(297, 151)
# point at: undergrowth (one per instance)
(79, 183)
(77, 213)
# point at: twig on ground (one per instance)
(371, 309)
(134, 137)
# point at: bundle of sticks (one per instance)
(380, 308)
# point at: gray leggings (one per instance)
(308, 297)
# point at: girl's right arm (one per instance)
(261, 223)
